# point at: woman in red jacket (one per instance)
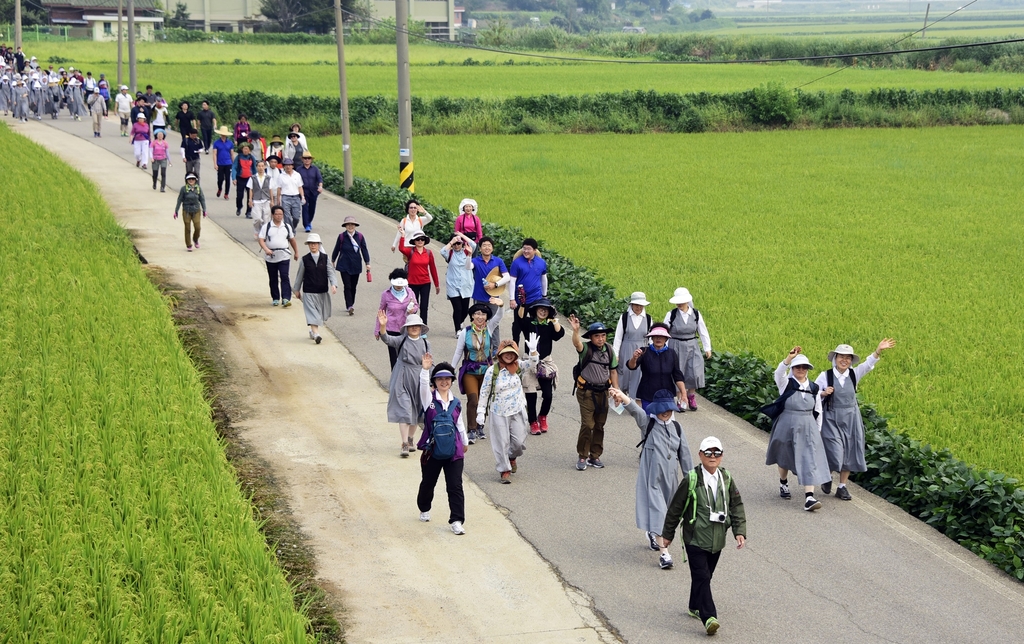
(421, 271)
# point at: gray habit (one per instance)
(664, 454)
(795, 443)
(686, 343)
(842, 430)
(632, 339)
(404, 387)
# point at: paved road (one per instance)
(861, 571)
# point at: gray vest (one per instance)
(843, 397)
(261, 190)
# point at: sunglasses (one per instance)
(712, 453)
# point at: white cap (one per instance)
(710, 443)
(124, 87)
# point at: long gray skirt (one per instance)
(691, 361)
(317, 307)
(842, 433)
(795, 443)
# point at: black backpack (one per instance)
(775, 408)
(650, 426)
(675, 313)
(626, 315)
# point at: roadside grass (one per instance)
(790, 237)
(120, 518)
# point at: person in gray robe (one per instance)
(630, 335)
(316, 273)
(56, 96)
(35, 98)
(74, 98)
(842, 427)
(21, 101)
(687, 326)
(664, 453)
(795, 443)
(5, 93)
(404, 405)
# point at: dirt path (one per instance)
(317, 416)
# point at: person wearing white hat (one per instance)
(123, 104)
(468, 221)
(35, 96)
(5, 93)
(503, 404)
(76, 107)
(404, 404)
(686, 325)
(630, 335)
(316, 273)
(140, 141)
(795, 444)
(397, 302)
(51, 98)
(842, 428)
(20, 95)
(708, 503)
(443, 442)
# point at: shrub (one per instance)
(772, 104)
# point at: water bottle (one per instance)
(369, 277)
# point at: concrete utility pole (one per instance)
(405, 175)
(17, 24)
(926, 12)
(206, 16)
(132, 79)
(120, 44)
(346, 141)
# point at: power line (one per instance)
(868, 54)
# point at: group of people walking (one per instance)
(27, 91)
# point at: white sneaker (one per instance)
(457, 527)
(665, 561)
(425, 516)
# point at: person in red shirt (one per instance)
(421, 270)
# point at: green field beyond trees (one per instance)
(120, 518)
(806, 237)
(181, 69)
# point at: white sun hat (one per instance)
(313, 238)
(415, 320)
(844, 349)
(800, 361)
(681, 296)
(638, 297)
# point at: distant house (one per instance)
(634, 30)
(98, 18)
(459, 12)
(222, 15)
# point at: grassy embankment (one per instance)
(120, 518)
(811, 238)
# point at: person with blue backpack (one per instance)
(707, 503)
(664, 452)
(443, 442)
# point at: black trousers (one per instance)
(546, 389)
(422, 292)
(702, 568)
(241, 194)
(309, 208)
(206, 134)
(460, 309)
(349, 282)
(518, 325)
(224, 177)
(280, 283)
(431, 469)
(392, 351)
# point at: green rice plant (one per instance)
(120, 518)
(787, 237)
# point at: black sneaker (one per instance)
(238, 212)
(843, 494)
(811, 504)
(784, 491)
(595, 462)
(827, 488)
(653, 542)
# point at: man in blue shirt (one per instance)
(223, 159)
(529, 283)
(483, 264)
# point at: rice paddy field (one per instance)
(120, 518)
(788, 237)
(180, 69)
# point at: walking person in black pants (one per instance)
(223, 160)
(312, 186)
(191, 148)
(186, 121)
(207, 123)
(708, 503)
(422, 270)
(277, 239)
(349, 253)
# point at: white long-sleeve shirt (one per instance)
(635, 320)
(411, 226)
(426, 397)
(702, 329)
(860, 370)
(782, 376)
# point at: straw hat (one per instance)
(508, 346)
(415, 320)
(307, 155)
(276, 139)
(313, 238)
(492, 277)
(800, 361)
(844, 349)
(681, 296)
(224, 131)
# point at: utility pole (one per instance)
(132, 78)
(405, 175)
(17, 25)
(120, 44)
(346, 147)
(926, 12)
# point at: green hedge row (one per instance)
(573, 289)
(982, 510)
(768, 105)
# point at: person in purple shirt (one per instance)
(397, 303)
(529, 282)
(483, 264)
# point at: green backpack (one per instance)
(691, 497)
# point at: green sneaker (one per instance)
(693, 613)
(711, 626)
